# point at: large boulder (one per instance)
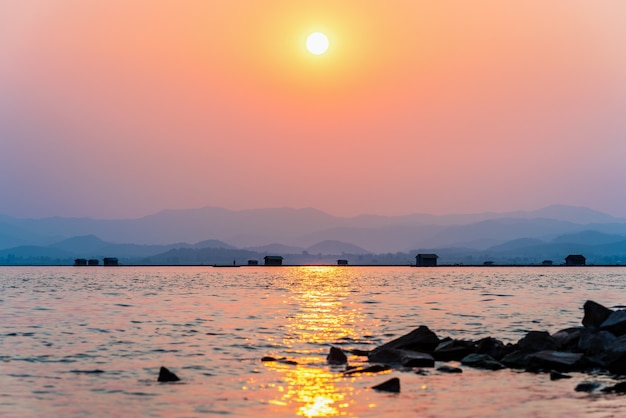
(592, 342)
(492, 346)
(555, 360)
(391, 385)
(537, 341)
(595, 314)
(453, 350)
(567, 339)
(420, 339)
(615, 323)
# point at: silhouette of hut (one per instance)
(575, 260)
(426, 259)
(110, 261)
(273, 260)
(80, 262)
(253, 262)
(342, 262)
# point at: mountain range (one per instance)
(213, 235)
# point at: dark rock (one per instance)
(362, 353)
(166, 376)
(371, 369)
(491, 346)
(289, 362)
(482, 361)
(453, 350)
(515, 360)
(556, 360)
(420, 339)
(567, 339)
(336, 356)
(587, 386)
(415, 359)
(537, 341)
(615, 323)
(421, 372)
(391, 385)
(592, 341)
(554, 375)
(404, 357)
(614, 358)
(617, 388)
(595, 314)
(449, 369)
(267, 358)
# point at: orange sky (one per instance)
(115, 108)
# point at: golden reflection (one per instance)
(323, 316)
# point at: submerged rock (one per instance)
(587, 386)
(556, 360)
(370, 369)
(554, 375)
(449, 369)
(454, 350)
(166, 376)
(404, 357)
(391, 385)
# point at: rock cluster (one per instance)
(598, 345)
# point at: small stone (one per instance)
(587, 386)
(166, 376)
(268, 358)
(617, 388)
(391, 385)
(449, 369)
(336, 356)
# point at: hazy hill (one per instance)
(549, 232)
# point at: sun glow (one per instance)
(317, 43)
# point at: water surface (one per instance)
(89, 341)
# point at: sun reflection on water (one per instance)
(321, 319)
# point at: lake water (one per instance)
(89, 341)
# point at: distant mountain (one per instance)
(308, 235)
(335, 248)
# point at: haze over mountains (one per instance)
(212, 235)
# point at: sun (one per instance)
(317, 43)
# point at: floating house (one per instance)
(110, 261)
(253, 262)
(273, 260)
(426, 259)
(575, 260)
(342, 262)
(80, 262)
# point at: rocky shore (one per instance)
(598, 346)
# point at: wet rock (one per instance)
(515, 360)
(556, 360)
(592, 342)
(404, 357)
(391, 385)
(554, 375)
(595, 314)
(336, 356)
(491, 346)
(420, 339)
(449, 369)
(615, 323)
(567, 339)
(617, 388)
(537, 341)
(267, 358)
(482, 361)
(362, 353)
(587, 386)
(614, 358)
(453, 350)
(166, 376)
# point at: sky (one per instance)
(118, 109)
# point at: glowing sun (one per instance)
(317, 43)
